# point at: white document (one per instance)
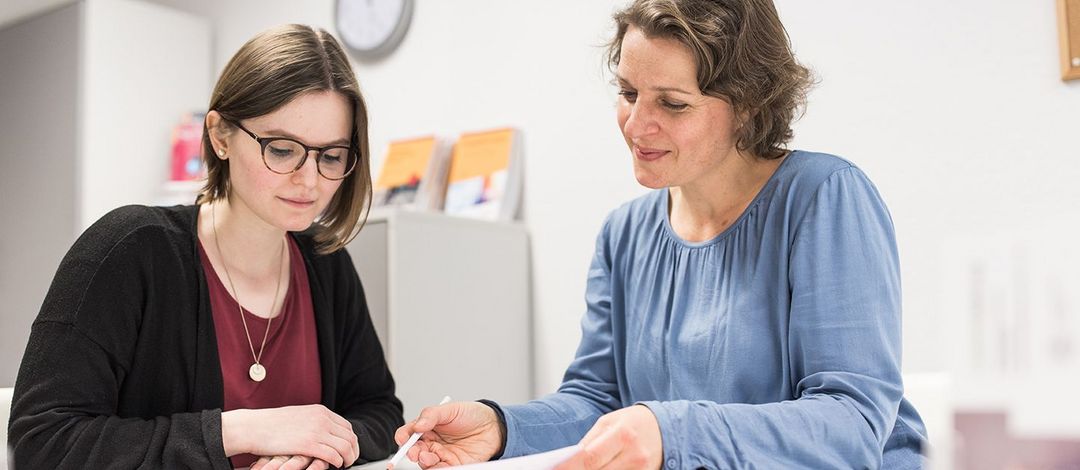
(543, 461)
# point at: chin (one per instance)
(648, 179)
(300, 227)
(296, 220)
(296, 224)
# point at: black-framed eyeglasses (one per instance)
(283, 155)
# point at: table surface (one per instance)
(405, 464)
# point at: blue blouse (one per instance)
(774, 345)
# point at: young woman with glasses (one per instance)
(235, 331)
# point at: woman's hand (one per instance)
(308, 430)
(627, 438)
(283, 462)
(454, 434)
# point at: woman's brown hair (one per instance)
(268, 71)
(743, 55)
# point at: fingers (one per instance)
(427, 459)
(402, 434)
(422, 448)
(445, 455)
(340, 421)
(605, 448)
(343, 449)
(320, 451)
(424, 423)
(340, 438)
(345, 441)
(342, 428)
(599, 448)
(436, 455)
(258, 465)
(433, 416)
(274, 463)
(313, 431)
(330, 454)
(348, 451)
(297, 462)
(414, 452)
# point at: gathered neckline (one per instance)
(665, 197)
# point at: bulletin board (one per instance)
(1069, 30)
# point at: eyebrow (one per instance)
(623, 81)
(281, 133)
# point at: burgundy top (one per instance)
(291, 354)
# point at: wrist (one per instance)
(233, 437)
(500, 417)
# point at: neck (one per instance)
(708, 206)
(250, 246)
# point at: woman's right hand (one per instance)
(310, 430)
(453, 434)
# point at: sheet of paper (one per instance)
(543, 461)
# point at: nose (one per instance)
(640, 121)
(308, 173)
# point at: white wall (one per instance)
(956, 111)
(954, 108)
(38, 146)
(15, 11)
(143, 66)
(88, 96)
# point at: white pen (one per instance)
(409, 443)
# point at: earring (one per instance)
(221, 153)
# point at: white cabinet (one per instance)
(450, 301)
(89, 94)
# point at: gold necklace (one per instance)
(257, 371)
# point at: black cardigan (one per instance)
(122, 369)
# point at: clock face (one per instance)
(372, 28)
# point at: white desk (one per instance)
(405, 464)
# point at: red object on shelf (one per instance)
(187, 164)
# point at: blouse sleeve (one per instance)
(590, 386)
(844, 347)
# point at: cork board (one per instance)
(1069, 30)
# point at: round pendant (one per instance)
(257, 372)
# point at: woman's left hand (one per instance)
(627, 438)
(284, 462)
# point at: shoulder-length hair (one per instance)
(268, 71)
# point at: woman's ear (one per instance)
(216, 127)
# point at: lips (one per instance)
(649, 154)
(301, 203)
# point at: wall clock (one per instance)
(371, 29)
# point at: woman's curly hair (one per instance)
(743, 55)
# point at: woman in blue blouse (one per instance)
(750, 305)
